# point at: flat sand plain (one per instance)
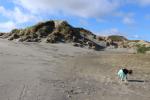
(41, 71)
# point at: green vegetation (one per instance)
(29, 27)
(142, 49)
(15, 31)
(116, 38)
(94, 36)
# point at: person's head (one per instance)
(130, 71)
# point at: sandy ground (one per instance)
(40, 71)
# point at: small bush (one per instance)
(142, 49)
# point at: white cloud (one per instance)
(139, 2)
(14, 18)
(16, 15)
(7, 26)
(81, 8)
(136, 36)
(2, 9)
(144, 2)
(128, 20)
(111, 31)
(21, 17)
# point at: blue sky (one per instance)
(130, 18)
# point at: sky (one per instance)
(130, 18)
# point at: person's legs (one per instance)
(126, 79)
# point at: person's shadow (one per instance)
(139, 81)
